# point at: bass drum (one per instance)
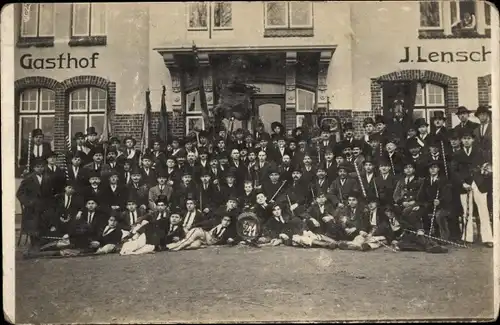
(248, 226)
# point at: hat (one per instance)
(482, 109)
(38, 161)
(113, 140)
(182, 153)
(129, 138)
(345, 166)
(162, 198)
(379, 119)
(91, 131)
(112, 173)
(204, 172)
(176, 210)
(174, 138)
(367, 121)
(147, 156)
(354, 193)
(297, 169)
(374, 137)
(51, 154)
(454, 134)
(36, 132)
(77, 154)
(369, 159)
(296, 131)
(161, 173)
(231, 172)
(79, 135)
(190, 196)
(202, 151)
(372, 198)
(136, 170)
(439, 115)
(186, 173)
(465, 132)
(462, 110)
(385, 162)
(392, 139)
(277, 124)
(232, 197)
(203, 133)
(131, 198)
(156, 139)
(129, 161)
(273, 170)
(409, 162)
(438, 163)
(239, 130)
(357, 144)
(92, 197)
(434, 141)
(72, 183)
(94, 173)
(347, 126)
(111, 150)
(412, 143)
(420, 122)
(96, 150)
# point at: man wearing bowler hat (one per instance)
(92, 140)
(130, 151)
(483, 132)
(465, 123)
(422, 132)
(39, 149)
(79, 145)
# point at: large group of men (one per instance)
(403, 184)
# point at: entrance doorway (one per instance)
(269, 108)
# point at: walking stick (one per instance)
(438, 239)
(444, 159)
(359, 179)
(431, 229)
(28, 161)
(278, 190)
(290, 205)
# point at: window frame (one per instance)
(489, 94)
(427, 108)
(457, 18)
(297, 101)
(288, 14)
(441, 20)
(37, 34)
(89, 23)
(196, 95)
(486, 5)
(188, 16)
(194, 117)
(212, 15)
(87, 112)
(300, 117)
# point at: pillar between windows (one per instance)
(290, 80)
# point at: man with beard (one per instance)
(285, 168)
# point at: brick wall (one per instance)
(483, 90)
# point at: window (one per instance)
(430, 14)
(288, 14)
(304, 105)
(198, 15)
(89, 19)
(299, 120)
(428, 100)
(223, 18)
(489, 95)
(193, 122)
(37, 20)
(36, 111)
(459, 18)
(87, 107)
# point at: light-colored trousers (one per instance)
(484, 215)
(372, 241)
(137, 246)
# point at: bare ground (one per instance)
(249, 284)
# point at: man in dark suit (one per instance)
(97, 164)
(39, 149)
(267, 148)
(94, 187)
(282, 149)
(483, 133)
(79, 146)
(192, 216)
(107, 239)
(329, 165)
(342, 187)
(92, 141)
(465, 123)
(111, 160)
(264, 166)
(468, 167)
(36, 196)
(148, 173)
(138, 190)
(68, 206)
(75, 173)
(175, 232)
(237, 167)
(57, 174)
(93, 216)
(114, 196)
(132, 216)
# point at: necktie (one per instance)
(129, 152)
(171, 228)
(161, 189)
(91, 215)
(352, 212)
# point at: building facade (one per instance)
(76, 61)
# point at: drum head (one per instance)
(248, 226)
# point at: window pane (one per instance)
(222, 14)
(463, 14)
(47, 100)
(81, 19)
(194, 122)
(29, 100)
(97, 121)
(29, 17)
(47, 125)
(28, 124)
(79, 100)
(193, 103)
(98, 20)
(418, 113)
(276, 14)
(77, 124)
(429, 14)
(489, 95)
(300, 13)
(46, 25)
(419, 96)
(300, 120)
(197, 15)
(487, 14)
(435, 95)
(305, 100)
(98, 99)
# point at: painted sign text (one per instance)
(62, 61)
(419, 55)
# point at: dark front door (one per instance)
(269, 108)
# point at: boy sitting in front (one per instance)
(197, 237)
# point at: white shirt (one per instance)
(433, 179)
(322, 209)
(373, 217)
(146, 171)
(39, 177)
(484, 127)
(218, 231)
(160, 215)
(52, 168)
(75, 171)
(133, 217)
(173, 228)
(467, 151)
(107, 230)
(342, 182)
(131, 153)
(408, 179)
(113, 187)
(369, 177)
(189, 219)
(90, 217)
(395, 226)
(280, 219)
(38, 150)
(67, 201)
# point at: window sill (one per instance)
(439, 34)
(289, 32)
(44, 41)
(88, 41)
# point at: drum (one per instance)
(248, 226)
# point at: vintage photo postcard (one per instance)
(259, 161)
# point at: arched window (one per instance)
(428, 100)
(87, 107)
(36, 111)
(194, 117)
(305, 104)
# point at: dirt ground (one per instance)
(249, 284)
